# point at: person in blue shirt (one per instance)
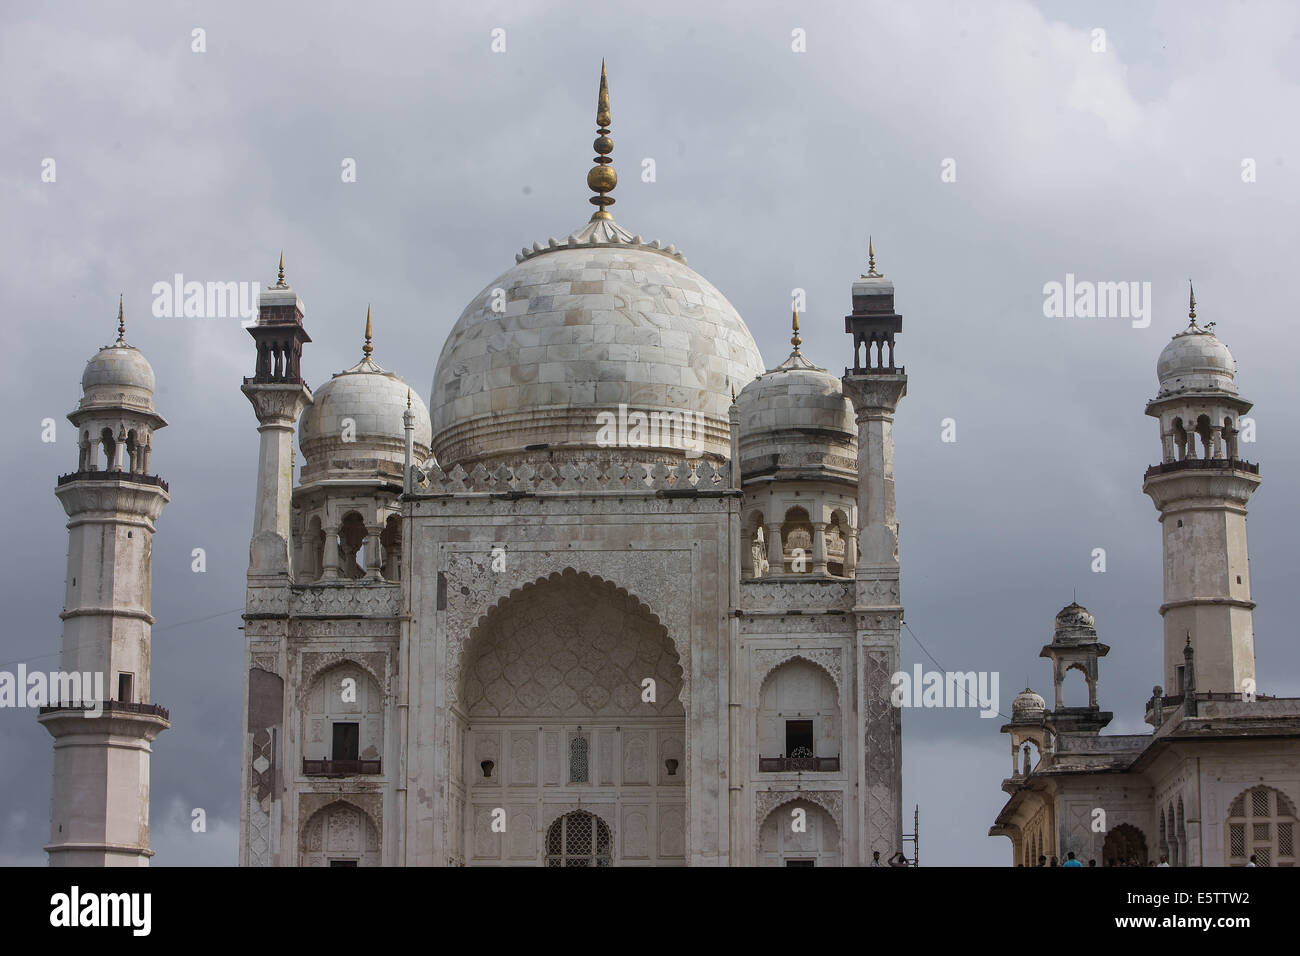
(1070, 860)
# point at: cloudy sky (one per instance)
(1169, 153)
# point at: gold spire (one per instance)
(1191, 302)
(602, 178)
(121, 322)
(871, 260)
(281, 284)
(366, 349)
(408, 398)
(795, 340)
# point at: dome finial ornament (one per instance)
(121, 322)
(602, 178)
(871, 260)
(280, 283)
(367, 349)
(795, 340)
(1191, 302)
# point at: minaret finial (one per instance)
(281, 284)
(121, 322)
(366, 349)
(1191, 302)
(871, 260)
(795, 340)
(408, 398)
(602, 178)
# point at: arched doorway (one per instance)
(569, 698)
(799, 833)
(340, 835)
(579, 839)
(1124, 844)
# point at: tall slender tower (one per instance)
(1201, 488)
(99, 812)
(278, 395)
(876, 385)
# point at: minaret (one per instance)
(876, 386)
(1201, 488)
(102, 721)
(279, 395)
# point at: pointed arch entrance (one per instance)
(568, 707)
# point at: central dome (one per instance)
(576, 329)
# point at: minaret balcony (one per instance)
(1219, 464)
(113, 476)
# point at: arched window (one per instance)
(352, 539)
(343, 723)
(1206, 436)
(578, 839)
(799, 720)
(1181, 440)
(797, 541)
(109, 445)
(1074, 686)
(391, 541)
(1262, 824)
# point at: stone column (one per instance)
(850, 552)
(775, 556)
(1216, 441)
(819, 547)
(119, 451)
(374, 554)
(330, 567)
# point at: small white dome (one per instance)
(372, 400)
(1028, 706)
(118, 366)
(1074, 625)
(1196, 361)
(796, 417)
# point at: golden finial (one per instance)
(408, 398)
(1191, 302)
(366, 349)
(871, 260)
(281, 284)
(121, 321)
(733, 393)
(795, 340)
(602, 178)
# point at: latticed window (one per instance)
(578, 839)
(578, 747)
(1262, 824)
